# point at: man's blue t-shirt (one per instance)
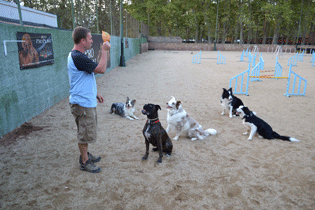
(83, 88)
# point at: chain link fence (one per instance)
(97, 15)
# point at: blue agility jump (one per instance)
(278, 69)
(242, 56)
(254, 60)
(221, 59)
(242, 76)
(197, 58)
(293, 77)
(255, 72)
(293, 60)
(313, 58)
(301, 56)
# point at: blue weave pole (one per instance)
(221, 59)
(197, 58)
(278, 69)
(293, 60)
(301, 56)
(242, 56)
(246, 52)
(294, 81)
(242, 77)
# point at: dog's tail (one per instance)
(210, 131)
(284, 138)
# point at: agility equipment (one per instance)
(293, 60)
(221, 59)
(249, 55)
(254, 60)
(197, 58)
(313, 58)
(294, 80)
(278, 52)
(301, 56)
(255, 72)
(242, 56)
(246, 52)
(241, 80)
(278, 69)
(255, 49)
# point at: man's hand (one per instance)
(100, 98)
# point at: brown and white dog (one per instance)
(183, 124)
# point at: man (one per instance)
(83, 93)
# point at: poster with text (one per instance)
(35, 50)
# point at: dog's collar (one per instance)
(156, 120)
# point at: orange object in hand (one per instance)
(105, 36)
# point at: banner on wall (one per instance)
(36, 50)
(95, 52)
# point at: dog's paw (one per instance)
(261, 137)
(175, 138)
(245, 134)
(159, 160)
(168, 154)
(231, 116)
(145, 157)
(222, 113)
(193, 139)
(249, 139)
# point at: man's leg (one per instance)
(83, 150)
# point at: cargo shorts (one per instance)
(86, 120)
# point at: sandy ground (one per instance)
(41, 169)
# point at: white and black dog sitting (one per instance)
(230, 102)
(125, 110)
(182, 123)
(255, 124)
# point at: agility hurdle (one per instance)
(221, 59)
(278, 69)
(249, 55)
(255, 72)
(241, 77)
(197, 58)
(242, 56)
(296, 76)
(301, 56)
(261, 63)
(293, 60)
(254, 60)
(313, 58)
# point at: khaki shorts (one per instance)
(86, 120)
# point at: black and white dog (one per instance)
(125, 110)
(230, 102)
(183, 124)
(254, 124)
(154, 133)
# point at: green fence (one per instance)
(27, 93)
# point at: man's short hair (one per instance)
(80, 33)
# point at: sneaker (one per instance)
(90, 167)
(94, 159)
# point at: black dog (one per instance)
(154, 133)
(230, 102)
(256, 125)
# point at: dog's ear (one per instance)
(133, 101)
(177, 104)
(230, 89)
(127, 99)
(158, 107)
(224, 89)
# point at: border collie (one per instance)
(230, 102)
(125, 110)
(182, 123)
(255, 124)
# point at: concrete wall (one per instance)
(27, 93)
(223, 47)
